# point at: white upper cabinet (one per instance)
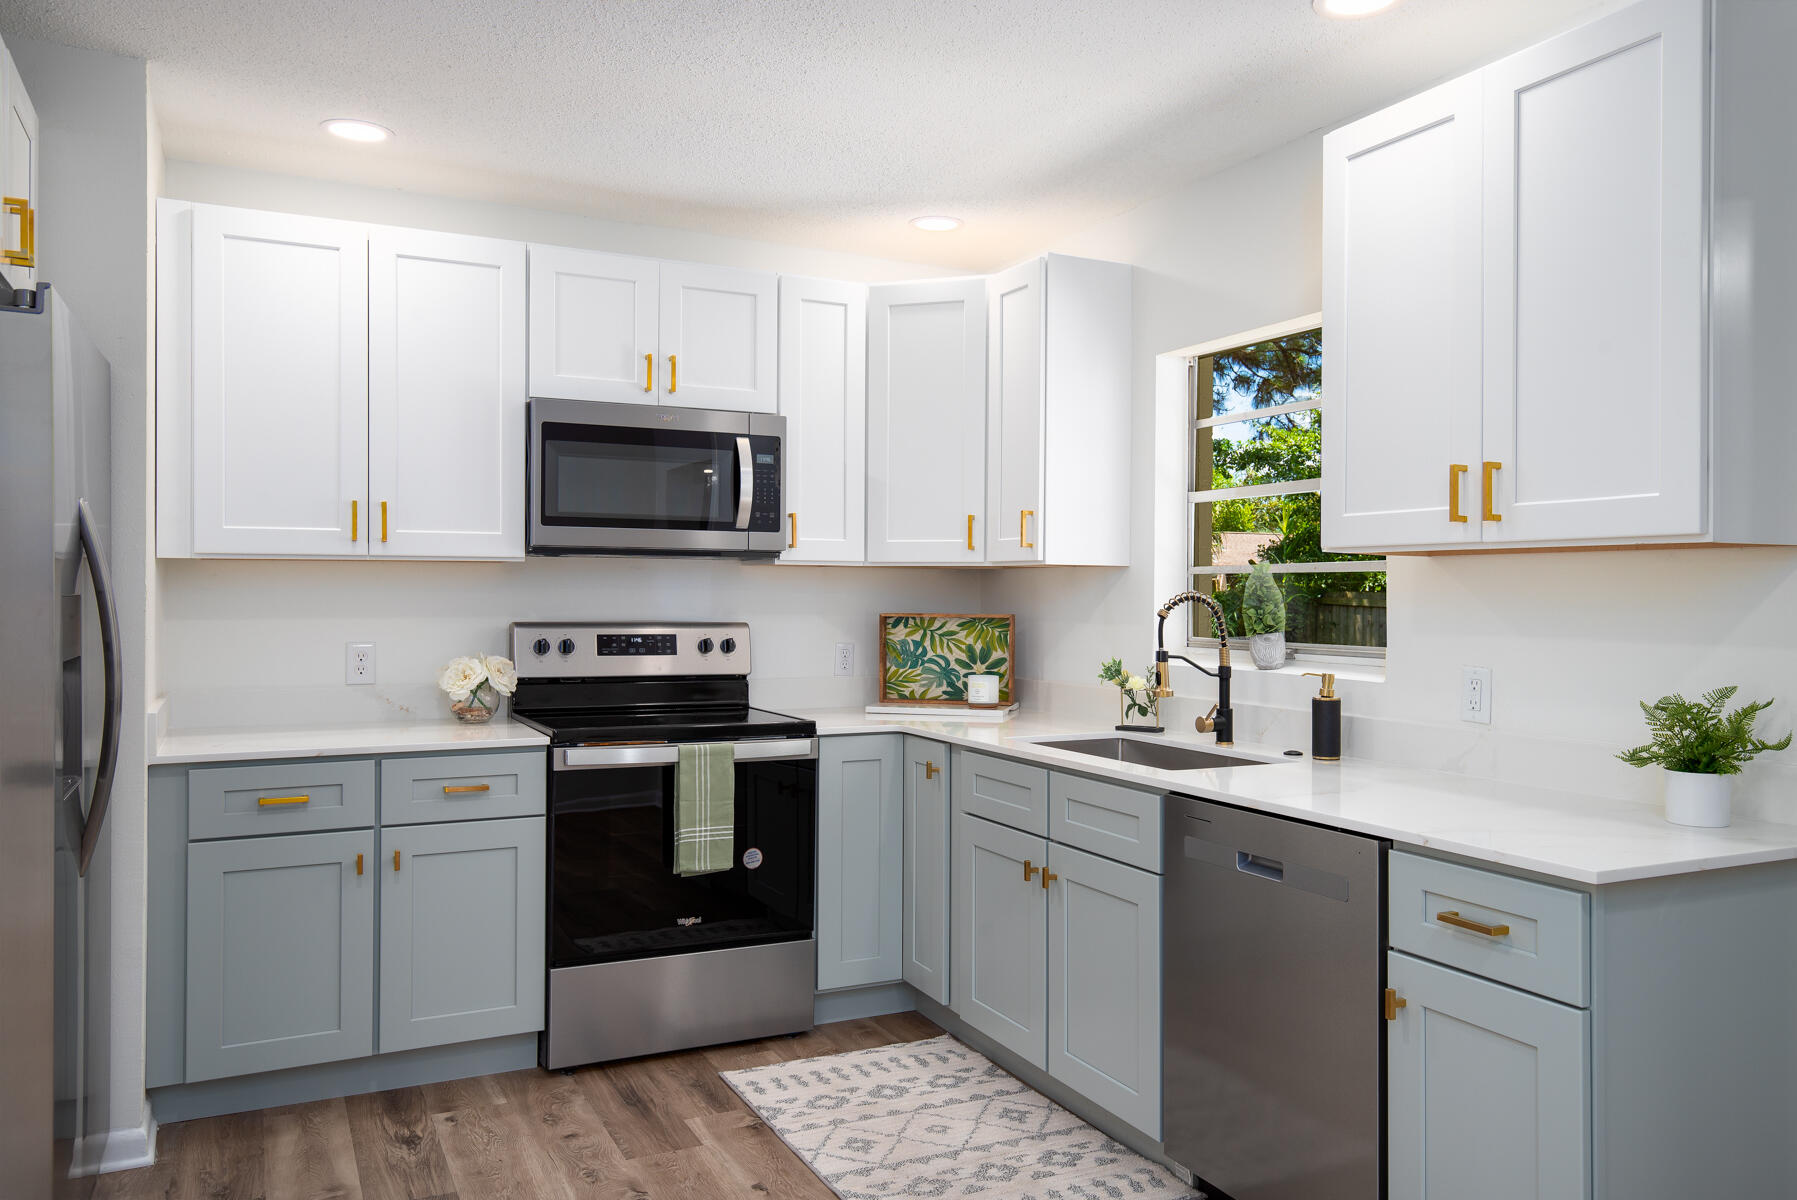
(823, 396)
(18, 177)
(593, 328)
(719, 338)
(1401, 202)
(1014, 413)
(279, 384)
(926, 418)
(446, 395)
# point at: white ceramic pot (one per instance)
(1700, 800)
(1268, 650)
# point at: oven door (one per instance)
(613, 893)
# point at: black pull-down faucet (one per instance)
(1222, 717)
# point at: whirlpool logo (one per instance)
(683, 922)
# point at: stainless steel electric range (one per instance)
(642, 960)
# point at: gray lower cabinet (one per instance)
(927, 867)
(280, 952)
(1000, 935)
(1488, 1090)
(461, 932)
(860, 855)
(1002, 790)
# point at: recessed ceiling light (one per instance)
(357, 131)
(936, 224)
(1349, 9)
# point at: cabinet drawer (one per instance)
(998, 789)
(462, 787)
(300, 797)
(1117, 822)
(1544, 944)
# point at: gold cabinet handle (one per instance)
(355, 514)
(673, 375)
(271, 801)
(451, 790)
(1459, 922)
(970, 531)
(358, 864)
(383, 520)
(930, 769)
(649, 372)
(1048, 877)
(1023, 529)
(1455, 471)
(1029, 872)
(1491, 468)
(26, 254)
(792, 542)
(396, 860)
(1393, 1002)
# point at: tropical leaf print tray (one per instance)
(925, 657)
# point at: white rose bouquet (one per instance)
(474, 684)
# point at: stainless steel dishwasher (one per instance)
(1273, 1059)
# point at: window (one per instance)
(1257, 461)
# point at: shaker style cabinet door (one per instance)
(446, 395)
(1488, 1090)
(18, 175)
(461, 932)
(593, 324)
(1015, 415)
(1594, 280)
(927, 868)
(860, 852)
(926, 422)
(999, 943)
(1401, 297)
(719, 338)
(279, 384)
(823, 396)
(280, 952)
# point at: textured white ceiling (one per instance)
(807, 121)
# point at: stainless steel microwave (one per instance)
(636, 479)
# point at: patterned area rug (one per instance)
(934, 1118)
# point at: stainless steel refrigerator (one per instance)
(59, 725)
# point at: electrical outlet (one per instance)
(1475, 694)
(358, 663)
(845, 658)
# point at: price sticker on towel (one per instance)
(751, 858)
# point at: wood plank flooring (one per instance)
(666, 1128)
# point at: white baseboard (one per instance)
(116, 1150)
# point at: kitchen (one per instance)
(910, 484)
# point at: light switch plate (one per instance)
(358, 663)
(1475, 694)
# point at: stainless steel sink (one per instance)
(1152, 754)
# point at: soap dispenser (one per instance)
(1325, 721)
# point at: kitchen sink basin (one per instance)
(1152, 754)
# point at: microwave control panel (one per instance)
(764, 512)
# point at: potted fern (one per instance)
(1263, 618)
(1701, 748)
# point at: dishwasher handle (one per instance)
(1261, 865)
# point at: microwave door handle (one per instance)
(745, 482)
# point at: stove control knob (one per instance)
(728, 646)
(567, 646)
(704, 645)
(540, 647)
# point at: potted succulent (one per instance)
(1136, 694)
(1701, 748)
(475, 683)
(1263, 618)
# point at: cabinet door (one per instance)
(18, 169)
(1488, 1090)
(280, 952)
(926, 886)
(280, 384)
(1594, 280)
(999, 943)
(1401, 207)
(926, 422)
(719, 338)
(446, 395)
(1104, 984)
(823, 396)
(593, 325)
(860, 852)
(1014, 413)
(461, 932)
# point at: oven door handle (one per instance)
(745, 485)
(591, 758)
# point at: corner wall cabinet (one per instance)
(18, 178)
(860, 857)
(1524, 272)
(823, 396)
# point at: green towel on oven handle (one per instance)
(705, 808)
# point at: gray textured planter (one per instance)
(1267, 649)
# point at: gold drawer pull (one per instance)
(358, 864)
(271, 801)
(649, 372)
(1029, 872)
(1023, 529)
(931, 770)
(1048, 877)
(396, 860)
(1460, 922)
(1490, 514)
(26, 254)
(1455, 471)
(1393, 1002)
(466, 787)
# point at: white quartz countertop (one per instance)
(1560, 834)
(333, 741)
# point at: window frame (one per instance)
(1195, 426)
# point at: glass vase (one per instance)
(478, 708)
(1144, 714)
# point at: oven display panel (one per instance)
(638, 643)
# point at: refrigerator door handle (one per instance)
(109, 650)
